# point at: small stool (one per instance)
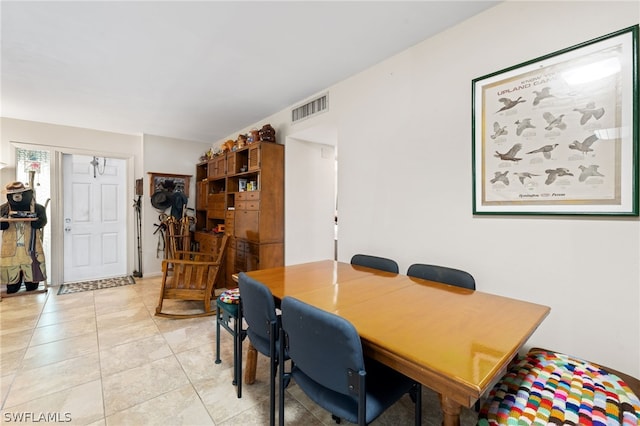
(547, 387)
(229, 316)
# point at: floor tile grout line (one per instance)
(22, 369)
(25, 349)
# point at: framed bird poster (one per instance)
(559, 134)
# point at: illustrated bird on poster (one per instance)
(509, 103)
(590, 111)
(584, 146)
(523, 125)
(587, 172)
(524, 175)
(511, 154)
(545, 150)
(554, 122)
(499, 130)
(501, 177)
(552, 174)
(542, 94)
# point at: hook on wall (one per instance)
(96, 165)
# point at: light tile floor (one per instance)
(103, 358)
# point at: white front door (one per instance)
(94, 197)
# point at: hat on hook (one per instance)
(15, 187)
(161, 200)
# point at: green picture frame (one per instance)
(558, 135)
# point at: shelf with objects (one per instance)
(243, 183)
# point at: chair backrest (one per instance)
(259, 311)
(188, 275)
(322, 345)
(198, 256)
(376, 262)
(442, 274)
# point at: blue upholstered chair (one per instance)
(381, 263)
(442, 274)
(328, 364)
(259, 311)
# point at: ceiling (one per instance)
(196, 70)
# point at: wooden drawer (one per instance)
(248, 205)
(241, 257)
(229, 222)
(241, 245)
(248, 195)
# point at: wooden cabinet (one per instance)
(244, 191)
(217, 167)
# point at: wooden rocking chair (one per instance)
(190, 276)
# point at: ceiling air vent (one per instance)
(316, 106)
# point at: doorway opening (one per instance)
(311, 195)
(33, 167)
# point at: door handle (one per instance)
(67, 229)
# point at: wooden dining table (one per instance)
(456, 341)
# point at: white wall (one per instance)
(405, 184)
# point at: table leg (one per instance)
(450, 411)
(250, 370)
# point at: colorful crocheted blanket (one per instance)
(230, 296)
(550, 388)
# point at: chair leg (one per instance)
(218, 313)
(417, 388)
(281, 374)
(159, 307)
(250, 369)
(237, 353)
(273, 361)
